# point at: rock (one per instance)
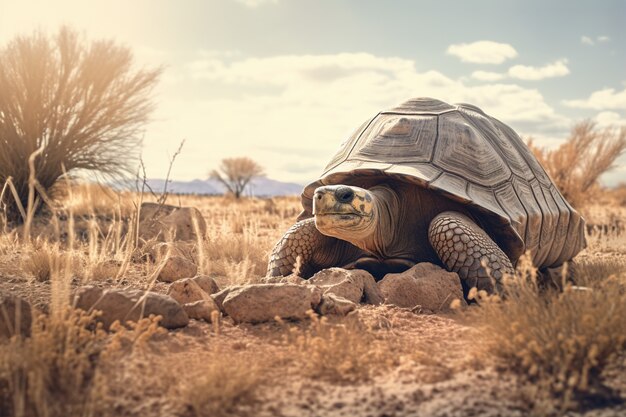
(426, 285)
(220, 296)
(159, 250)
(334, 305)
(167, 223)
(131, 305)
(177, 267)
(289, 279)
(207, 283)
(340, 282)
(371, 292)
(263, 302)
(201, 310)
(15, 316)
(189, 290)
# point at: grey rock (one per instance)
(334, 305)
(201, 310)
(425, 285)
(341, 282)
(264, 302)
(130, 305)
(167, 223)
(220, 296)
(188, 290)
(177, 267)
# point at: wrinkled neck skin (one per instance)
(385, 214)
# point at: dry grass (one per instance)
(225, 384)
(51, 373)
(344, 352)
(560, 342)
(577, 164)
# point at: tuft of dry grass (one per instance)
(344, 352)
(225, 385)
(559, 341)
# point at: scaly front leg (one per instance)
(466, 249)
(315, 250)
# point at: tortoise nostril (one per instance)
(318, 196)
(344, 194)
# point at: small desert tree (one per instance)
(83, 105)
(236, 173)
(577, 164)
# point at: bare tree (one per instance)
(236, 173)
(577, 164)
(82, 103)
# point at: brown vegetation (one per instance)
(68, 105)
(561, 341)
(236, 173)
(577, 164)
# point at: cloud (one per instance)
(256, 3)
(526, 72)
(482, 52)
(586, 40)
(309, 104)
(604, 99)
(609, 118)
(488, 76)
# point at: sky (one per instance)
(286, 81)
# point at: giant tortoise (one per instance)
(431, 182)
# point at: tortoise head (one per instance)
(344, 212)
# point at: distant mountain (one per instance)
(259, 187)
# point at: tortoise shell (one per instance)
(469, 157)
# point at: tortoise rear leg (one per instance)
(466, 249)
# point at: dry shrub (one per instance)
(51, 373)
(560, 342)
(225, 384)
(344, 352)
(57, 371)
(83, 105)
(577, 164)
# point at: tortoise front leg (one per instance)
(466, 249)
(315, 250)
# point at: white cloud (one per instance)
(526, 72)
(483, 52)
(256, 3)
(298, 108)
(609, 118)
(586, 40)
(488, 76)
(607, 98)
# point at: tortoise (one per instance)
(432, 182)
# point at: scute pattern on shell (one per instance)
(469, 157)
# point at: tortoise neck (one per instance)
(386, 209)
